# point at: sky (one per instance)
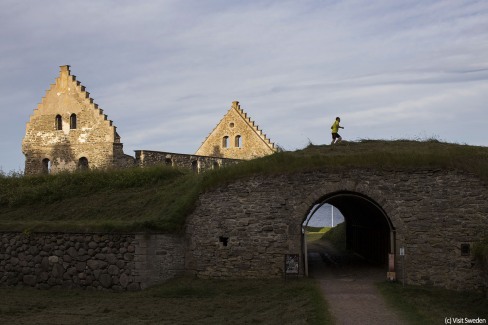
(324, 215)
(166, 72)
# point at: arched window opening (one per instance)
(59, 122)
(46, 166)
(83, 164)
(225, 142)
(72, 121)
(238, 142)
(215, 165)
(168, 162)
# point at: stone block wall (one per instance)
(158, 258)
(91, 261)
(244, 229)
(93, 138)
(193, 162)
(244, 139)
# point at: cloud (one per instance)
(166, 71)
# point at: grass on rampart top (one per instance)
(160, 198)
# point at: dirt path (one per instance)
(348, 287)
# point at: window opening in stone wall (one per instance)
(59, 122)
(46, 166)
(224, 240)
(215, 165)
(194, 166)
(168, 162)
(465, 250)
(225, 142)
(83, 163)
(238, 141)
(231, 124)
(72, 121)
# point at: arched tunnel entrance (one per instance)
(369, 233)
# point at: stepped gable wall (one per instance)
(236, 136)
(67, 131)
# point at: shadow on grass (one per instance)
(431, 305)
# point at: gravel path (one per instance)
(348, 287)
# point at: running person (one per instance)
(336, 138)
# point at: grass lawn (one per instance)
(429, 305)
(180, 301)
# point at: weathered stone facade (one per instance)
(194, 162)
(236, 136)
(244, 229)
(68, 131)
(117, 262)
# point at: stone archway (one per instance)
(369, 231)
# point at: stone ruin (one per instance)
(68, 131)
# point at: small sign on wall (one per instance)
(292, 264)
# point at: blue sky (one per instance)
(324, 217)
(167, 71)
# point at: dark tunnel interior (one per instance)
(367, 226)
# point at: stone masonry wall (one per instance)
(91, 261)
(194, 162)
(93, 138)
(244, 229)
(253, 142)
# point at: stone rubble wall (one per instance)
(194, 162)
(253, 142)
(433, 213)
(244, 229)
(94, 137)
(115, 262)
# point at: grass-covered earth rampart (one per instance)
(159, 198)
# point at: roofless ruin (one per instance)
(68, 131)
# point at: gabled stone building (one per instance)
(236, 136)
(68, 131)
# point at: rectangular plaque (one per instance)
(292, 264)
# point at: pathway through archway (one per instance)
(347, 276)
(349, 287)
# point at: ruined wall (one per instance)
(117, 262)
(244, 139)
(244, 229)
(196, 163)
(92, 138)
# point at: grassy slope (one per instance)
(159, 199)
